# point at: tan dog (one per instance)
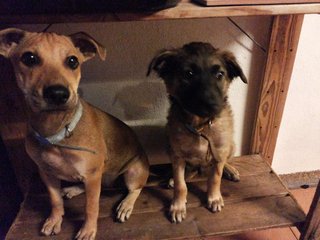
(68, 138)
(200, 122)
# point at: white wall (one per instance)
(298, 145)
(119, 84)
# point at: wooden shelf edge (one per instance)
(250, 2)
(184, 10)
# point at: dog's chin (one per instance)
(204, 112)
(53, 108)
(46, 107)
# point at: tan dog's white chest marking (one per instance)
(63, 164)
(67, 167)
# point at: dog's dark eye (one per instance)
(30, 59)
(189, 75)
(219, 75)
(72, 62)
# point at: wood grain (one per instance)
(183, 10)
(312, 225)
(236, 218)
(258, 201)
(250, 2)
(281, 54)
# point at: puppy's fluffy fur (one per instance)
(47, 68)
(200, 122)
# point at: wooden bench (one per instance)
(258, 201)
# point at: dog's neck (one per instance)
(50, 128)
(48, 123)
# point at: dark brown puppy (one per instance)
(200, 121)
(68, 138)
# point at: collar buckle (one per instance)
(68, 132)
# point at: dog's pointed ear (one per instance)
(163, 63)
(88, 46)
(9, 39)
(233, 68)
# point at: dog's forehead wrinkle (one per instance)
(204, 65)
(50, 46)
(193, 63)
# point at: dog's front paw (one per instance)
(215, 203)
(87, 232)
(178, 211)
(52, 226)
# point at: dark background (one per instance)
(10, 196)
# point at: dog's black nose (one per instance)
(56, 94)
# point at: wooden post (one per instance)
(312, 225)
(281, 55)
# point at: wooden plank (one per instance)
(257, 180)
(311, 229)
(250, 2)
(260, 200)
(282, 50)
(274, 211)
(250, 165)
(185, 10)
(296, 180)
(153, 199)
(241, 216)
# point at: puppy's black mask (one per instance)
(197, 76)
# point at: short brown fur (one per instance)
(117, 150)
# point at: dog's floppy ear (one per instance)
(9, 39)
(233, 68)
(88, 46)
(163, 63)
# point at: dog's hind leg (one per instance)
(135, 178)
(231, 173)
(189, 174)
(72, 191)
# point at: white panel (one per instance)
(298, 145)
